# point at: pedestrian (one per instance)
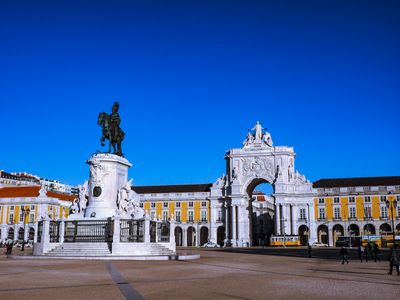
(344, 254)
(376, 252)
(370, 252)
(360, 251)
(309, 250)
(394, 261)
(9, 248)
(366, 252)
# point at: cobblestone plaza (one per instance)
(217, 275)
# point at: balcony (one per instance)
(322, 219)
(352, 219)
(302, 220)
(384, 218)
(337, 219)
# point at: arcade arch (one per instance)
(323, 236)
(303, 234)
(178, 236)
(261, 207)
(203, 235)
(337, 231)
(369, 229)
(191, 236)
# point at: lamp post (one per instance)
(392, 205)
(25, 212)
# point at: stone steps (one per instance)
(101, 249)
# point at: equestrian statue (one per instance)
(111, 130)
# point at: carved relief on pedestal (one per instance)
(97, 174)
(257, 166)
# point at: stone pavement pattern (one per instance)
(217, 275)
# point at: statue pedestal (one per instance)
(108, 173)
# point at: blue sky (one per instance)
(191, 78)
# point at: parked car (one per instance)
(210, 245)
(319, 244)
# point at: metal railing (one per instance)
(164, 232)
(89, 231)
(54, 231)
(132, 231)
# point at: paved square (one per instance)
(217, 275)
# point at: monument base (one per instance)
(108, 173)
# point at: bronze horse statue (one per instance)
(114, 135)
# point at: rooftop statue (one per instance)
(260, 137)
(111, 130)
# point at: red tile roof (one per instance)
(31, 191)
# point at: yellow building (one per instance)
(22, 206)
(188, 204)
(356, 207)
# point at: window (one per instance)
(204, 216)
(204, 204)
(32, 207)
(352, 213)
(303, 214)
(12, 207)
(367, 212)
(367, 199)
(337, 212)
(141, 204)
(177, 216)
(31, 218)
(322, 213)
(352, 200)
(165, 215)
(336, 200)
(220, 216)
(178, 204)
(190, 215)
(153, 204)
(11, 219)
(191, 204)
(383, 199)
(165, 204)
(152, 215)
(321, 200)
(21, 217)
(384, 212)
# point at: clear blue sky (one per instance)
(191, 78)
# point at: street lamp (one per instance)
(25, 211)
(392, 205)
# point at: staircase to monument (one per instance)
(102, 249)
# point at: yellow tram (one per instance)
(285, 241)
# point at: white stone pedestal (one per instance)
(108, 173)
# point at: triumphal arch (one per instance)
(259, 161)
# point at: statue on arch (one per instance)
(111, 130)
(258, 134)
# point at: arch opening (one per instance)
(261, 211)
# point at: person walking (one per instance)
(344, 254)
(360, 251)
(376, 252)
(370, 252)
(394, 261)
(309, 250)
